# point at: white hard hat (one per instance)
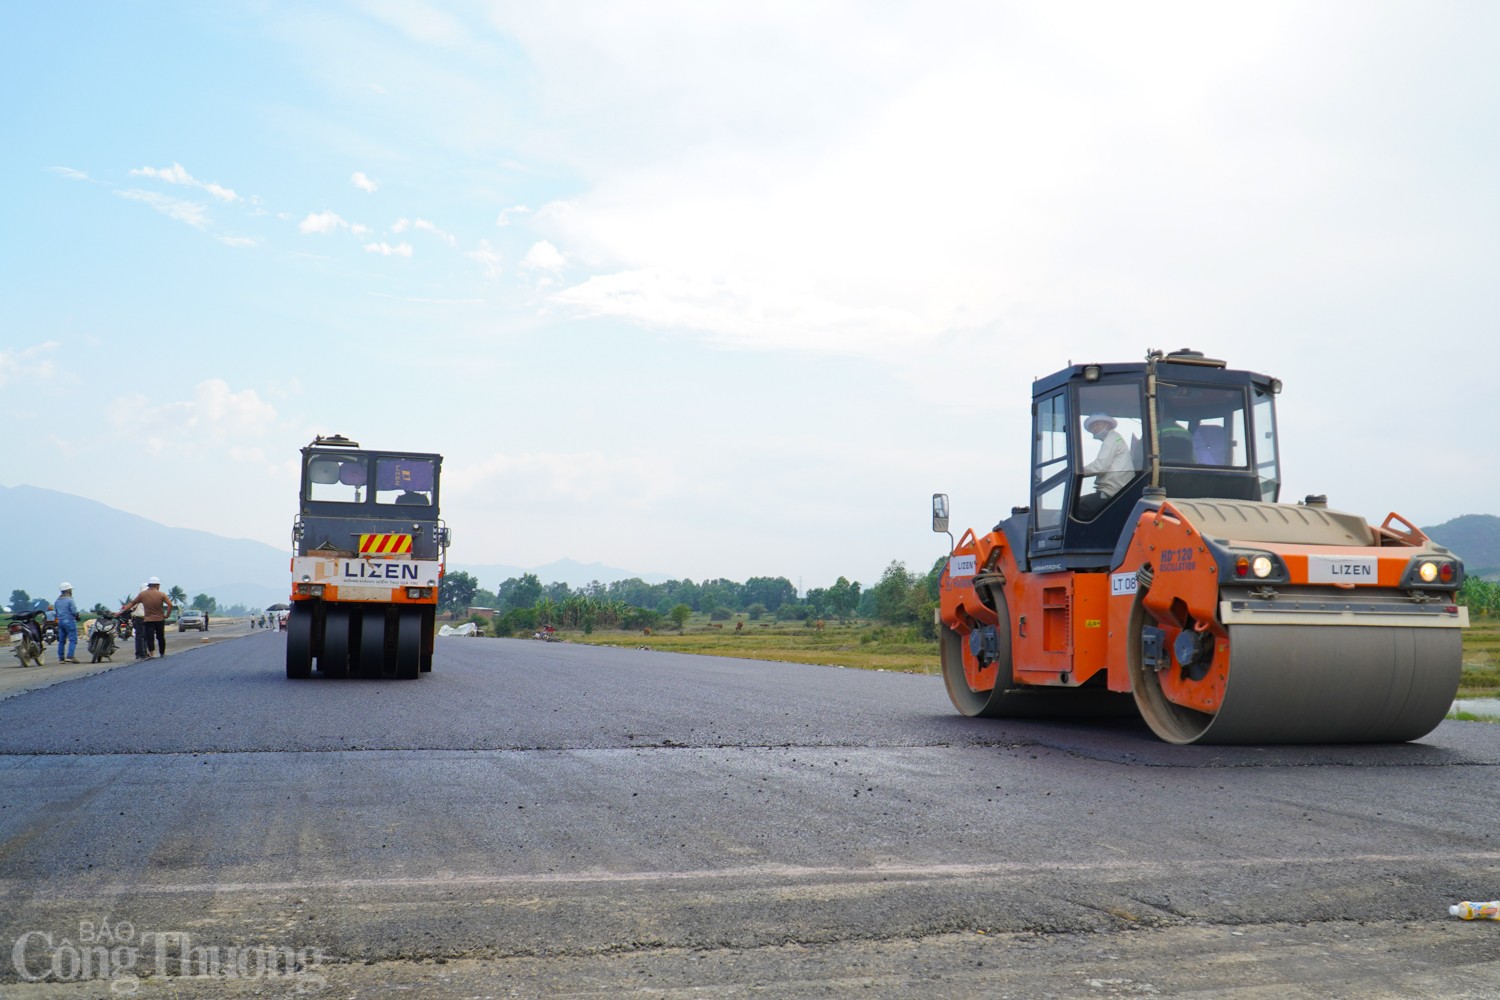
(153, 580)
(66, 587)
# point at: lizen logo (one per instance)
(1343, 569)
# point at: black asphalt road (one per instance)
(550, 819)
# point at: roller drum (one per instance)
(1320, 684)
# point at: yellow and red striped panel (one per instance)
(384, 545)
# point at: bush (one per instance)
(720, 614)
(639, 618)
(521, 619)
(756, 611)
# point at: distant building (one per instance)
(482, 612)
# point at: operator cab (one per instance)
(348, 491)
(1103, 434)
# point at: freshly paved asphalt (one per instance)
(561, 819)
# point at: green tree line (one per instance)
(524, 603)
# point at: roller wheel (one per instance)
(1313, 683)
(372, 643)
(299, 643)
(334, 660)
(1003, 698)
(429, 626)
(409, 645)
(966, 679)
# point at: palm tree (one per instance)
(178, 596)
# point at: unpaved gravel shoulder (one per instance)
(1381, 960)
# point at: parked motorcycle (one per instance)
(26, 637)
(102, 632)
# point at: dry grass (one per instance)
(867, 647)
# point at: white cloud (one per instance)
(544, 256)
(879, 220)
(419, 21)
(402, 225)
(321, 222)
(175, 174)
(740, 313)
(386, 250)
(364, 183)
(429, 227)
(503, 219)
(70, 173)
(215, 413)
(28, 363)
(488, 258)
(193, 213)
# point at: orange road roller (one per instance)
(1155, 571)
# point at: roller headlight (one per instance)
(1251, 567)
(1428, 571)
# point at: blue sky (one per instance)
(729, 290)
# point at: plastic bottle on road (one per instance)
(1476, 911)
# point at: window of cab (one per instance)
(337, 478)
(405, 481)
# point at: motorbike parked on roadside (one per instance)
(26, 637)
(102, 632)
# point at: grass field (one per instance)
(1481, 678)
(862, 645)
(873, 647)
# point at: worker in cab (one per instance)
(1111, 468)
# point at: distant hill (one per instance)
(1476, 539)
(105, 553)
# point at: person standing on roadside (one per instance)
(67, 624)
(157, 606)
(137, 625)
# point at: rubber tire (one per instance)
(409, 645)
(333, 661)
(299, 643)
(372, 643)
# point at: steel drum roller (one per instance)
(1319, 684)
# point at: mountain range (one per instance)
(1476, 539)
(106, 554)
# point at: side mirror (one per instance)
(940, 512)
